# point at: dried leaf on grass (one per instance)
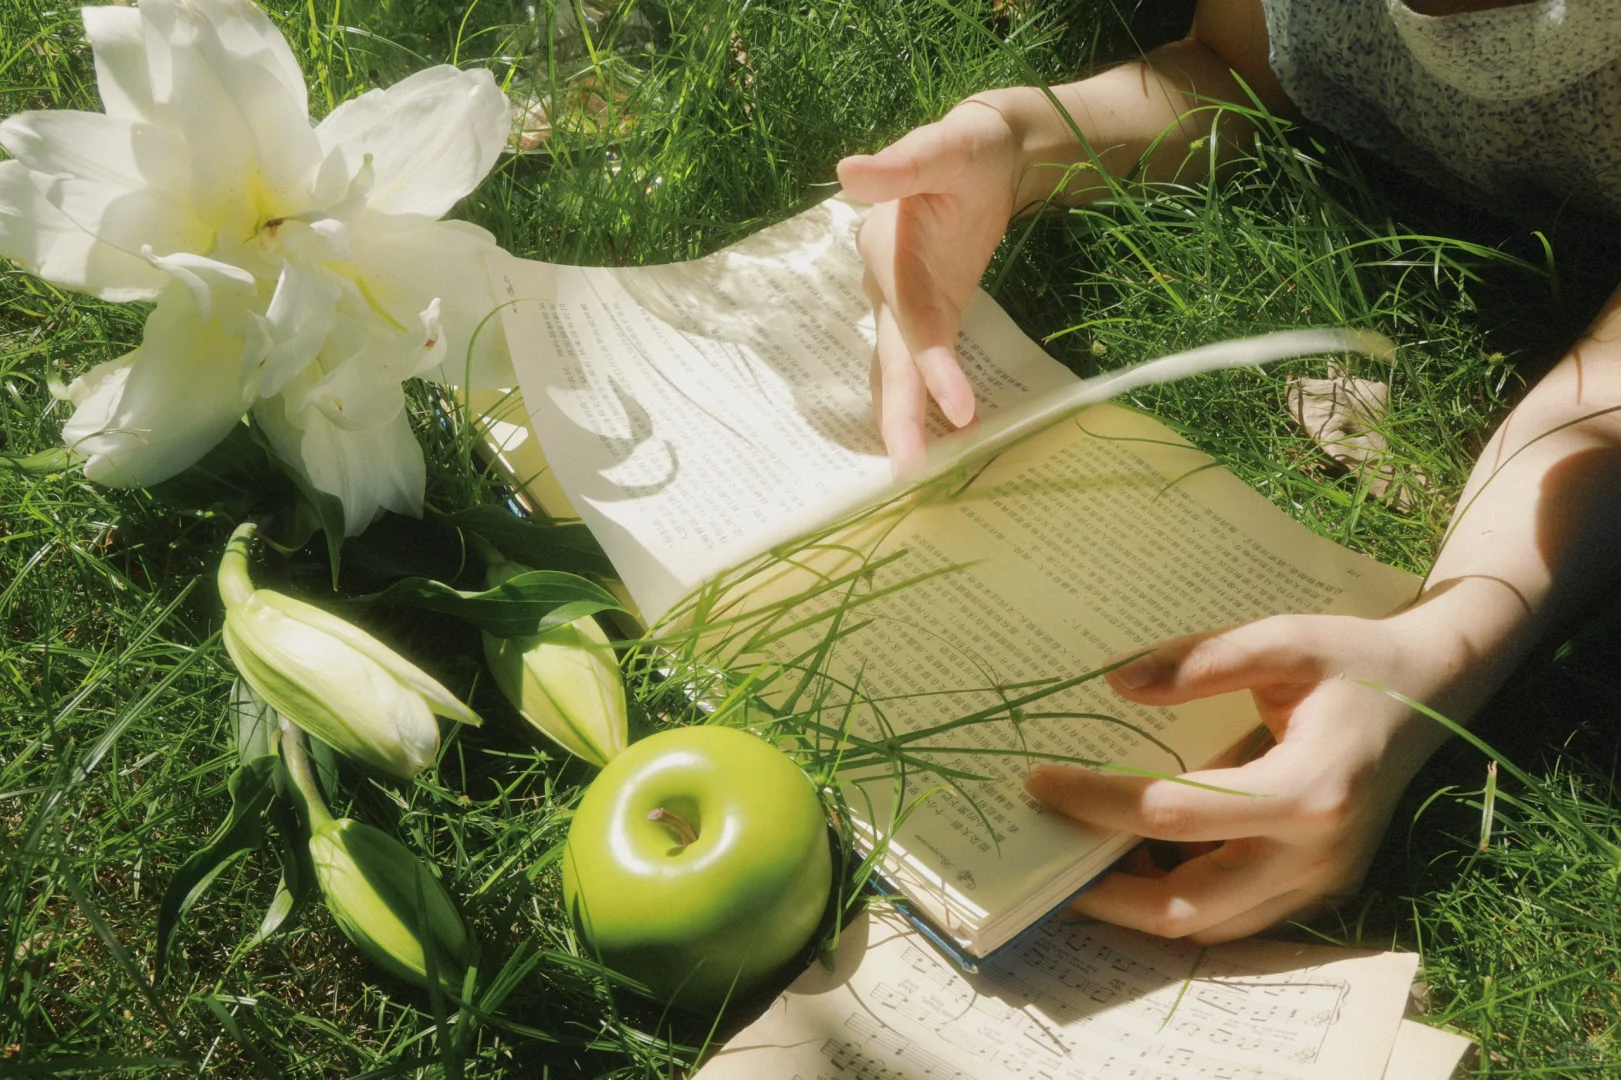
(589, 105)
(1344, 416)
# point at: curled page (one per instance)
(699, 413)
(961, 447)
(702, 413)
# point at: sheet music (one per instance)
(1078, 1003)
(1425, 1053)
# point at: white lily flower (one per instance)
(298, 271)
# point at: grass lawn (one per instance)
(676, 127)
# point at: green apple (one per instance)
(698, 863)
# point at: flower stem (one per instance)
(684, 834)
(297, 758)
(235, 583)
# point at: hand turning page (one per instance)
(700, 413)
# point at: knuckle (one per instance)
(1326, 807)
(1165, 820)
(1327, 874)
(1203, 662)
(1294, 628)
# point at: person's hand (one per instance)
(1316, 803)
(943, 197)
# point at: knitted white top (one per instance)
(1520, 103)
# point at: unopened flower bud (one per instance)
(566, 683)
(330, 677)
(389, 903)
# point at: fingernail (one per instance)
(1038, 786)
(1140, 672)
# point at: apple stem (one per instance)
(678, 827)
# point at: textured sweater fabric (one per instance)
(1521, 104)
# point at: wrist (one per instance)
(1464, 638)
(1041, 142)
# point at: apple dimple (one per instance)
(680, 818)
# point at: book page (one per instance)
(1104, 535)
(700, 412)
(1425, 1053)
(1078, 1003)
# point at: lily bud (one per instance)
(389, 903)
(330, 677)
(566, 683)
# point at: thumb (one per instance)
(922, 161)
(1267, 654)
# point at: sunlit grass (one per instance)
(717, 117)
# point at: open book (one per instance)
(702, 416)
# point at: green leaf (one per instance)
(325, 760)
(297, 885)
(311, 511)
(252, 787)
(55, 460)
(395, 546)
(319, 511)
(234, 479)
(544, 546)
(531, 603)
(257, 723)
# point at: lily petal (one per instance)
(369, 470)
(122, 181)
(100, 384)
(119, 43)
(430, 352)
(302, 313)
(404, 270)
(204, 278)
(364, 390)
(440, 700)
(43, 241)
(226, 80)
(147, 416)
(432, 137)
(352, 396)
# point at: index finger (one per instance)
(1198, 896)
(1251, 800)
(924, 159)
(901, 242)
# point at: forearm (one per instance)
(1537, 535)
(1139, 121)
